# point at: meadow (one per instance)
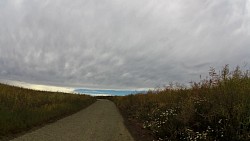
(21, 109)
(216, 108)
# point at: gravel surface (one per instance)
(99, 122)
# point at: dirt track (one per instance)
(99, 122)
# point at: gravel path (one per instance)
(99, 122)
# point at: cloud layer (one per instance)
(120, 44)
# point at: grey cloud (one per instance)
(120, 44)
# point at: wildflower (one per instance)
(220, 121)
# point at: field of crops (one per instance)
(217, 108)
(22, 109)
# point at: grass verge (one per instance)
(22, 109)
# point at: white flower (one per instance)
(220, 121)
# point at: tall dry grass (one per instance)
(21, 109)
(217, 108)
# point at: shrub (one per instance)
(216, 108)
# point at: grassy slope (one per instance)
(22, 109)
(214, 109)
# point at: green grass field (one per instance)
(21, 109)
(217, 108)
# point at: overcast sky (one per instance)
(120, 43)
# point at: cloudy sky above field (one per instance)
(120, 43)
